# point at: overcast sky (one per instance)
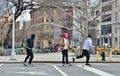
(93, 1)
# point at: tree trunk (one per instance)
(8, 37)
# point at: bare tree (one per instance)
(81, 11)
(19, 6)
(82, 15)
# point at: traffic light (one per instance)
(6, 20)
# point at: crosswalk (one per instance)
(40, 69)
(88, 68)
(96, 71)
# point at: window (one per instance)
(106, 8)
(97, 12)
(116, 16)
(106, 29)
(52, 19)
(47, 20)
(92, 13)
(42, 19)
(106, 40)
(116, 29)
(106, 18)
(105, 0)
(116, 40)
(116, 3)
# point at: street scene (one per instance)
(59, 37)
(45, 64)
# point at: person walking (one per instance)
(85, 50)
(64, 45)
(29, 47)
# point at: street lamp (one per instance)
(7, 20)
(13, 54)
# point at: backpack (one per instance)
(62, 44)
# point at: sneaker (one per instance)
(70, 65)
(63, 65)
(31, 65)
(88, 64)
(73, 59)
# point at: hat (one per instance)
(33, 36)
(64, 35)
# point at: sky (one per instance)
(93, 1)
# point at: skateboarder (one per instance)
(29, 47)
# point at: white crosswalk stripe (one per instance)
(96, 71)
(64, 74)
(1, 65)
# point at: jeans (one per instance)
(65, 56)
(85, 53)
(29, 55)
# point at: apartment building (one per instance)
(42, 24)
(49, 23)
(66, 22)
(109, 22)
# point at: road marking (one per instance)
(96, 71)
(25, 67)
(64, 74)
(101, 64)
(32, 73)
(1, 65)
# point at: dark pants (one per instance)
(65, 55)
(29, 54)
(84, 53)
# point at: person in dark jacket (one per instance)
(29, 46)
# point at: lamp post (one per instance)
(6, 20)
(13, 54)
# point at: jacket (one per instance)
(30, 42)
(62, 44)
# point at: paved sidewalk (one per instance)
(56, 57)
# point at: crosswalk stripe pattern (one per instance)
(96, 71)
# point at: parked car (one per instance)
(116, 51)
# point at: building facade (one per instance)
(109, 23)
(49, 23)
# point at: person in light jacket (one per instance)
(85, 50)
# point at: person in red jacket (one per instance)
(64, 47)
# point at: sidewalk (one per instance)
(56, 57)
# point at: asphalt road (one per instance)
(50, 69)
